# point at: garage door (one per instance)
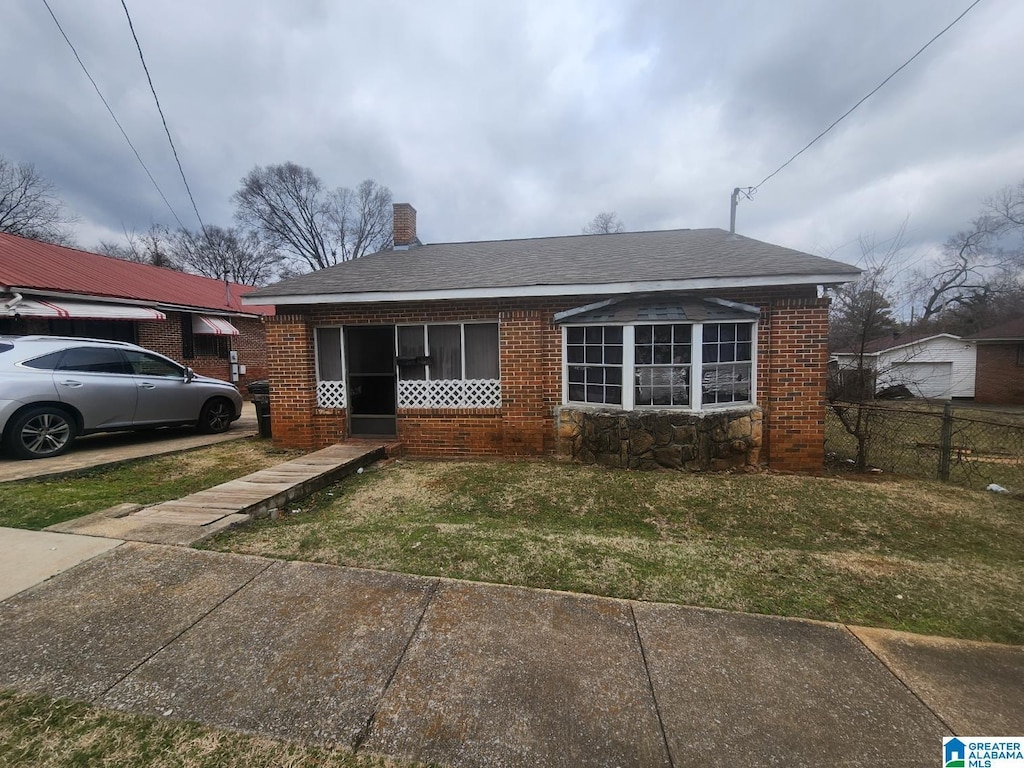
(925, 379)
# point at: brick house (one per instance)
(999, 377)
(684, 348)
(198, 321)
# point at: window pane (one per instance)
(46, 362)
(577, 374)
(445, 342)
(613, 355)
(662, 334)
(594, 335)
(411, 345)
(728, 332)
(93, 360)
(662, 354)
(613, 395)
(613, 334)
(482, 351)
(644, 334)
(594, 354)
(574, 354)
(151, 365)
(574, 335)
(577, 393)
(328, 353)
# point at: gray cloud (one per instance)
(515, 120)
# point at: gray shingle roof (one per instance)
(630, 257)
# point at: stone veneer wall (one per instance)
(710, 440)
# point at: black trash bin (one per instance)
(259, 391)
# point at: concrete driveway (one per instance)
(115, 447)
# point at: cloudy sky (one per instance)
(526, 118)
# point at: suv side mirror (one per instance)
(189, 375)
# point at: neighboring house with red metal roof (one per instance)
(682, 348)
(929, 365)
(198, 321)
(1000, 373)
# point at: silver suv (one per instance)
(53, 389)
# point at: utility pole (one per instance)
(734, 201)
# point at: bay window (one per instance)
(594, 355)
(693, 365)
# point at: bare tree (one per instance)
(605, 223)
(217, 252)
(155, 246)
(980, 264)
(29, 205)
(863, 308)
(290, 208)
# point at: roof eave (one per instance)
(545, 291)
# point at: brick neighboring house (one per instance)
(198, 321)
(685, 348)
(999, 377)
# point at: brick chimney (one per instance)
(405, 226)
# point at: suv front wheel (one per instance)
(216, 416)
(40, 432)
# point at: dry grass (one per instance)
(914, 555)
(40, 732)
(36, 504)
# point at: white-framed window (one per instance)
(448, 365)
(693, 365)
(594, 357)
(330, 368)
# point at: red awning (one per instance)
(212, 326)
(81, 309)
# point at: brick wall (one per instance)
(165, 337)
(793, 354)
(792, 348)
(999, 379)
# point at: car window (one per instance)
(5, 347)
(93, 360)
(151, 365)
(45, 362)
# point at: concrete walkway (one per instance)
(196, 517)
(467, 674)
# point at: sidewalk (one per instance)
(467, 674)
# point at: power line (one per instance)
(872, 93)
(111, 111)
(164, 119)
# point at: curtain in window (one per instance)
(445, 342)
(482, 351)
(411, 345)
(328, 354)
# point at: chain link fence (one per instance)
(965, 446)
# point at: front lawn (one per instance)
(912, 555)
(42, 732)
(35, 504)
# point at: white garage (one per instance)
(924, 379)
(940, 366)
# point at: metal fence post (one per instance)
(946, 441)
